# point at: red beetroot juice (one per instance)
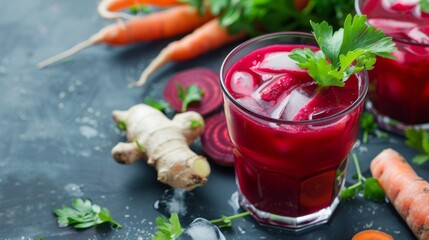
(291, 139)
(399, 89)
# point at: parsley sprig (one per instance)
(418, 138)
(369, 186)
(170, 229)
(83, 214)
(190, 94)
(424, 5)
(344, 52)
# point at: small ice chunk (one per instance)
(201, 228)
(390, 26)
(174, 201)
(280, 61)
(251, 104)
(419, 34)
(400, 5)
(297, 100)
(242, 83)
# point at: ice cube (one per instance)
(390, 26)
(419, 34)
(298, 98)
(201, 228)
(243, 83)
(251, 104)
(400, 5)
(174, 201)
(279, 61)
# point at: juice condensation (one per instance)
(291, 138)
(399, 89)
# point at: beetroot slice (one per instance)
(215, 140)
(206, 79)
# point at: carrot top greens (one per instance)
(263, 16)
(343, 53)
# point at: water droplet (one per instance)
(74, 190)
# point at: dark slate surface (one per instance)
(56, 134)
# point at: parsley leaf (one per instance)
(83, 214)
(418, 138)
(227, 220)
(161, 105)
(367, 124)
(189, 94)
(168, 229)
(344, 52)
(424, 5)
(369, 186)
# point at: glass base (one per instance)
(293, 224)
(390, 124)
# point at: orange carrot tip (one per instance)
(372, 235)
(205, 38)
(110, 9)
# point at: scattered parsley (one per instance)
(83, 214)
(367, 124)
(196, 123)
(343, 53)
(368, 186)
(161, 105)
(418, 139)
(189, 94)
(140, 147)
(227, 220)
(168, 229)
(136, 9)
(122, 125)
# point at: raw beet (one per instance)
(206, 79)
(215, 140)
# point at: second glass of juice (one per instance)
(399, 88)
(291, 138)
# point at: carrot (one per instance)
(158, 25)
(408, 192)
(372, 235)
(108, 8)
(205, 38)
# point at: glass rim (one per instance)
(351, 107)
(399, 40)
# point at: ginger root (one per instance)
(164, 144)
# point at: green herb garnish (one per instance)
(343, 53)
(227, 220)
(196, 123)
(368, 125)
(419, 139)
(368, 186)
(168, 229)
(122, 125)
(140, 147)
(424, 5)
(161, 105)
(189, 94)
(83, 214)
(136, 9)
(264, 16)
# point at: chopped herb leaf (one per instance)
(418, 138)
(368, 125)
(189, 94)
(369, 186)
(83, 214)
(161, 105)
(168, 229)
